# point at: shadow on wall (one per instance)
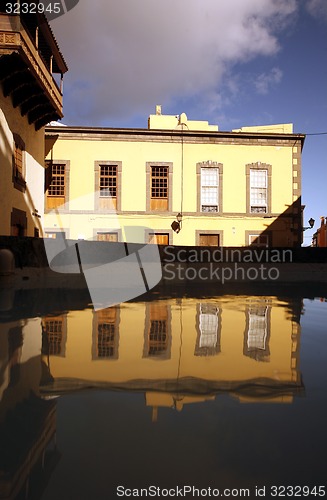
(285, 231)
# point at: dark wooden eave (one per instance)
(29, 55)
(19, 83)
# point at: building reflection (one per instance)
(106, 333)
(179, 351)
(27, 420)
(208, 326)
(257, 330)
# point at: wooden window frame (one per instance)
(107, 203)
(19, 171)
(200, 232)
(114, 342)
(62, 200)
(149, 198)
(62, 231)
(148, 232)
(166, 353)
(103, 230)
(63, 319)
(110, 233)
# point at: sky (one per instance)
(232, 62)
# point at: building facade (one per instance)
(29, 98)
(177, 182)
(319, 239)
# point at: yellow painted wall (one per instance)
(228, 366)
(135, 152)
(11, 122)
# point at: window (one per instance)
(256, 341)
(158, 238)
(209, 189)
(106, 333)
(108, 181)
(18, 223)
(209, 240)
(54, 328)
(107, 236)
(157, 331)
(107, 185)
(259, 240)
(209, 186)
(57, 180)
(258, 188)
(54, 234)
(258, 194)
(19, 163)
(157, 336)
(208, 327)
(159, 187)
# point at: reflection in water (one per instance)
(245, 346)
(27, 420)
(176, 352)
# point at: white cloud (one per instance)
(125, 56)
(265, 81)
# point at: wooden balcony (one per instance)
(27, 64)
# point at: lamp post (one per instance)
(177, 224)
(311, 222)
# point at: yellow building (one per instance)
(29, 99)
(218, 188)
(179, 351)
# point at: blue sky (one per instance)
(232, 62)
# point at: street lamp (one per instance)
(177, 224)
(311, 222)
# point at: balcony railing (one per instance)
(15, 38)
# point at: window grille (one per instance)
(108, 181)
(258, 191)
(57, 186)
(209, 189)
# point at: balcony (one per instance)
(29, 56)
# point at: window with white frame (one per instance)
(208, 328)
(258, 191)
(209, 189)
(257, 333)
(208, 325)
